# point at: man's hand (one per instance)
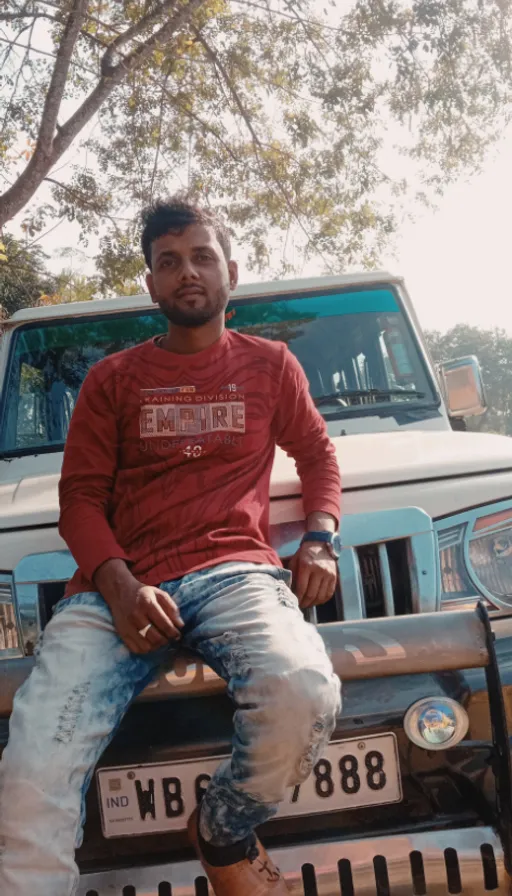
(314, 574)
(135, 606)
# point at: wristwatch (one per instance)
(332, 541)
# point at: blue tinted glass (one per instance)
(353, 342)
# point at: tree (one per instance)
(72, 287)
(493, 348)
(23, 276)
(275, 111)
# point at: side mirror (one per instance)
(464, 387)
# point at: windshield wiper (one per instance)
(366, 393)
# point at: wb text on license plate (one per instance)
(146, 799)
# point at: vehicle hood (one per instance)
(29, 485)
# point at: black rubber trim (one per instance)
(28, 529)
(446, 516)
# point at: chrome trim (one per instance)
(387, 585)
(352, 594)
(321, 861)
(413, 714)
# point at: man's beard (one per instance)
(191, 318)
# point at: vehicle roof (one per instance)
(248, 290)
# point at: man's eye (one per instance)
(203, 256)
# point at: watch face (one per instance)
(336, 544)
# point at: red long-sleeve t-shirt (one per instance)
(168, 458)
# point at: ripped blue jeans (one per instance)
(245, 622)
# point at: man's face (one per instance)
(190, 278)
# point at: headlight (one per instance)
(475, 554)
(436, 723)
(490, 554)
(10, 645)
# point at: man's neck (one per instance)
(189, 340)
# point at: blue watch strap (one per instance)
(332, 539)
(326, 537)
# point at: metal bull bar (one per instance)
(372, 648)
(399, 645)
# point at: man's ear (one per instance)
(233, 274)
(151, 286)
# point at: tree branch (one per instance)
(159, 141)
(216, 62)
(134, 31)
(17, 16)
(258, 146)
(17, 79)
(76, 194)
(41, 162)
(203, 124)
(119, 74)
(59, 77)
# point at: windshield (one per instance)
(355, 346)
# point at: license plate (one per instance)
(146, 799)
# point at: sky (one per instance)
(456, 259)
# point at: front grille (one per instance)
(388, 565)
(467, 861)
(377, 581)
(378, 561)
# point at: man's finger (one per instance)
(154, 637)
(170, 607)
(159, 618)
(137, 644)
(326, 589)
(303, 573)
(313, 589)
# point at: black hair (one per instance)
(174, 215)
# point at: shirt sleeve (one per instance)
(88, 474)
(301, 431)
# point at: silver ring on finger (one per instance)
(144, 631)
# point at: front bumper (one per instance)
(465, 860)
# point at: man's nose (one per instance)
(188, 270)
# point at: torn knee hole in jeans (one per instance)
(286, 597)
(71, 713)
(316, 742)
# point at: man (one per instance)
(164, 505)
